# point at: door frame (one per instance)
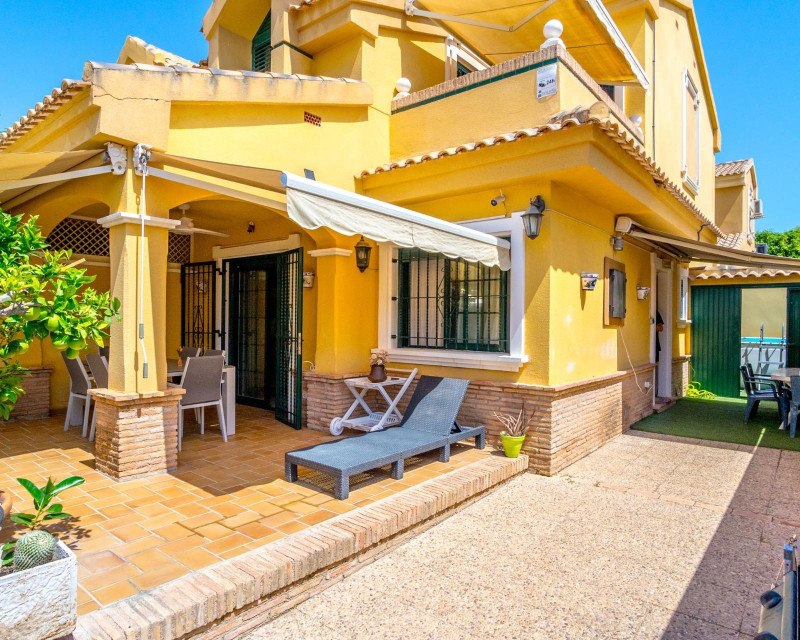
(664, 298)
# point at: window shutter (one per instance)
(262, 45)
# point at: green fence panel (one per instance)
(716, 338)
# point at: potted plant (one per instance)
(514, 430)
(377, 362)
(38, 572)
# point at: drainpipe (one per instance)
(655, 82)
(141, 154)
(700, 230)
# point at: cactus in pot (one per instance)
(37, 546)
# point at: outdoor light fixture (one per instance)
(617, 243)
(251, 226)
(362, 254)
(532, 218)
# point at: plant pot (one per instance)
(377, 373)
(512, 445)
(41, 603)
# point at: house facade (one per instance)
(222, 201)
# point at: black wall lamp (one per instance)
(363, 251)
(532, 218)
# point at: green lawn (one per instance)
(721, 419)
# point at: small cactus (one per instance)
(33, 549)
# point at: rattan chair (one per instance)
(79, 386)
(98, 365)
(189, 352)
(202, 379)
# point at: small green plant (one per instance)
(695, 391)
(46, 512)
(33, 549)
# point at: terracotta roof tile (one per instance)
(579, 116)
(50, 103)
(302, 4)
(733, 167)
(719, 274)
(732, 240)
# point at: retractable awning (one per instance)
(22, 171)
(500, 30)
(696, 251)
(312, 204)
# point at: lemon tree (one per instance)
(43, 294)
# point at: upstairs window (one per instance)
(450, 304)
(616, 93)
(262, 45)
(691, 134)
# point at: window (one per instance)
(459, 60)
(616, 93)
(691, 134)
(616, 296)
(262, 45)
(445, 303)
(683, 294)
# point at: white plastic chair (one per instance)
(98, 365)
(79, 386)
(202, 379)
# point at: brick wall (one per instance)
(569, 421)
(35, 402)
(681, 375)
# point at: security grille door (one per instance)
(716, 338)
(793, 327)
(198, 304)
(247, 332)
(288, 337)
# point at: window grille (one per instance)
(450, 304)
(262, 45)
(87, 238)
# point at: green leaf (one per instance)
(56, 516)
(47, 492)
(72, 481)
(8, 545)
(31, 488)
(55, 508)
(22, 518)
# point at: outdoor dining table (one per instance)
(784, 376)
(228, 391)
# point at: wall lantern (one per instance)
(362, 254)
(532, 218)
(589, 281)
(308, 279)
(617, 243)
(642, 293)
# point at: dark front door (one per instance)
(716, 338)
(793, 327)
(264, 320)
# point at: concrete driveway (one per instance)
(649, 537)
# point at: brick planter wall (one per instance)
(35, 402)
(570, 421)
(137, 434)
(681, 375)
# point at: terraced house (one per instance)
(508, 192)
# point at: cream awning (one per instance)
(695, 251)
(590, 33)
(22, 171)
(313, 205)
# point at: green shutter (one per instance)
(793, 328)
(716, 338)
(262, 45)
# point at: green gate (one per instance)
(716, 338)
(793, 327)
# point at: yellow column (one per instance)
(129, 251)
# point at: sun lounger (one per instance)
(428, 424)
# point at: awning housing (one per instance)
(590, 33)
(695, 251)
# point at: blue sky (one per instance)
(750, 47)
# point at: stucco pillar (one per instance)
(137, 414)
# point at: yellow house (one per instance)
(532, 181)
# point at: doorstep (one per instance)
(229, 598)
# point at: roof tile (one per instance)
(733, 167)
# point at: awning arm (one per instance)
(7, 185)
(411, 10)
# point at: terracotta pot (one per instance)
(377, 373)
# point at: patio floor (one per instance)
(649, 538)
(224, 499)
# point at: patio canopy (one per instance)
(22, 171)
(695, 251)
(500, 30)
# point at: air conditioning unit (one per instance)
(758, 209)
(762, 247)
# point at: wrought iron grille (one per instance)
(444, 303)
(288, 379)
(198, 304)
(87, 238)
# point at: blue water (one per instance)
(766, 340)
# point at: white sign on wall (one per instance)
(546, 83)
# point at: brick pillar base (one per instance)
(136, 434)
(326, 398)
(35, 402)
(681, 375)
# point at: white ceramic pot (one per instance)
(41, 603)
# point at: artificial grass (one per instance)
(721, 419)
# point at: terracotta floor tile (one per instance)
(317, 517)
(255, 530)
(149, 560)
(241, 519)
(213, 531)
(106, 578)
(292, 527)
(286, 499)
(87, 607)
(317, 498)
(142, 544)
(200, 521)
(115, 592)
(197, 558)
(301, 508)
(228, 542)
(182, 544)
(278, 519)
(172, 532)
(266, 508)
(159, 576)
(130, 532)
(100, 561)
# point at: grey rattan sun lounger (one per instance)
(429, 423)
